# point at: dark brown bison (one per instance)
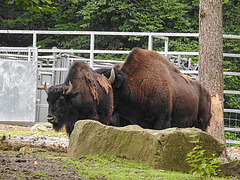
(85, 94)
(151, 92)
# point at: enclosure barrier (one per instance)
(52, 66)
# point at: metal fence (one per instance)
(52, 65)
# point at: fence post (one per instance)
(54, 80)
(30, 53)
(54, 56)
(34, 39)
(91, 50)
(150, 42)
(35, 50)
(189, 63)
(166, 47)
(179, 61)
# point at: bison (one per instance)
(151, 92)
(85, 94)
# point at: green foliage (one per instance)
(91, 15)
(231, 19)
(150, 16)
(201, 165)
(129, 16)
(232, 83)
(32, 5)
(232, 135)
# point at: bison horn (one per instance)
(70, 88)
(111, 79)
(45, 87)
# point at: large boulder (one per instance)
(163, 149)
(231, 168)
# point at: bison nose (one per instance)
(50, 118)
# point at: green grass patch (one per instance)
(111, 168)
(41, 174)
(15, 133)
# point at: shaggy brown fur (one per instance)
(157, 95)
(187, 78)
(104, 83)
(91, 98)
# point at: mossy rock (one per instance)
(163, 149)
(231, 168)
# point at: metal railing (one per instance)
(48, 67)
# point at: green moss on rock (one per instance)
(163, 149)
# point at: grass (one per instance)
(41, 174)
(14, 133)
(111, 168)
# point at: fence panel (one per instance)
(232, 126)
(18, 77)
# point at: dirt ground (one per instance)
(35, 165)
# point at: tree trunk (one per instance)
(211, 61)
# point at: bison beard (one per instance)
(151, 92)
(85, 94)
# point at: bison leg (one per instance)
(204, 110)
(106, 118)
(69, 128)
(162, 123)
(119, 121)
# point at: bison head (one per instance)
(115, 75)
(60, 98)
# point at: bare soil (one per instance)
(15, 165)
(12, 127)
(33, 163)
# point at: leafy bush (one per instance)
(201, 165)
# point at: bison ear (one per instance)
(73, 95)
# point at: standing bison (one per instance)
(151, 92)
(85, 94)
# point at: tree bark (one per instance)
(38, 143)
(211, 61)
